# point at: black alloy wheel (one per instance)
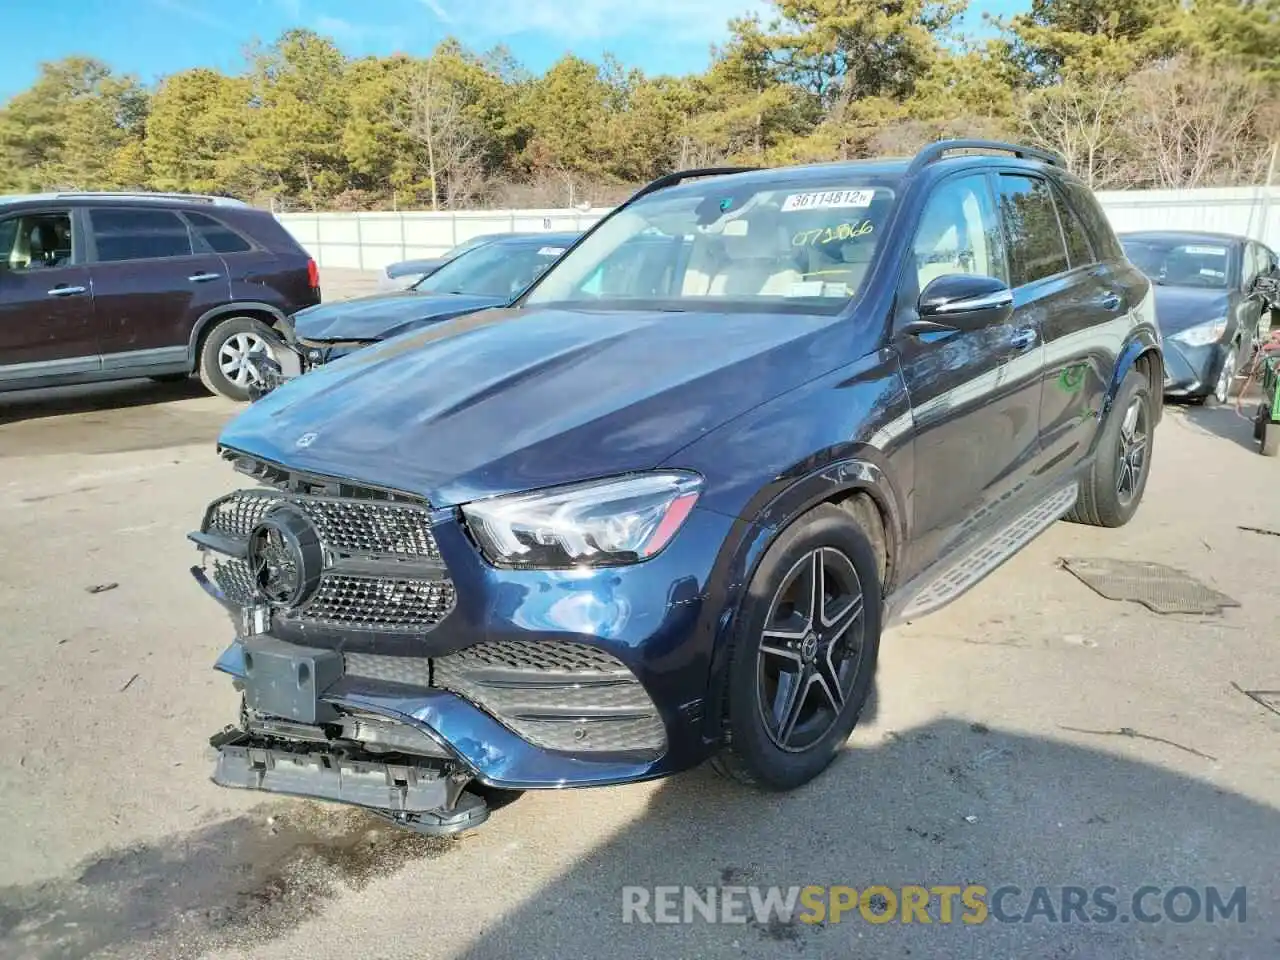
(810, 649)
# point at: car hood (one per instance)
(382, 316)
(1178, 308)
(509, 400)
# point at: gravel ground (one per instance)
(994, 755)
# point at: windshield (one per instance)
(728, 245)
(1181, 263)
(493, 270)
(466, 245)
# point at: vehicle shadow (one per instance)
(90, 398)
(1226, 422)
(950, 803)
(115, 418)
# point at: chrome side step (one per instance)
(973, 566)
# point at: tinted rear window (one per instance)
(1031, 227)
(1078, 246)
(139, 234)
(1105, 244)
(217, 235)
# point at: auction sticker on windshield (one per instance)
(829, 200)
(1205, 251)
(550, 251)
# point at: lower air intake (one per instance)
(557, 695)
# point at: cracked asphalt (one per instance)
(1031, 734)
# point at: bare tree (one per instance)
(434, 114)
(1081, 121)
(1196, 126)
(690, 152)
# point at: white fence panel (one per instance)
(1248, 211)
(370, 241)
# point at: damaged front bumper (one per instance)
(396, 686)
(384, 715)
(290, 741)
(310, 729)
(291, 360)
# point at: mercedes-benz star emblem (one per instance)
(285, 557)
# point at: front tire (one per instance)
(1113, 489)
(804, 652)
(1220, 395)
(224, 367)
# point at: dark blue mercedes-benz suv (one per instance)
(661, 508)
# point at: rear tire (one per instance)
(1113, 489)
(1269, 444)
(222, 367)
(798, 680)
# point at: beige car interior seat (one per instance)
(752, 256)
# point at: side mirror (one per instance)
(962, 301)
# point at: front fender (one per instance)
(751, 539)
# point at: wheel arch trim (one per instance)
(1142, 344)
(742, 555)
(207, 319)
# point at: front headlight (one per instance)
(1202, 334)
(600, 523)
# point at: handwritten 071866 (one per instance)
(831, 234)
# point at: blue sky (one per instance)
(154, 37)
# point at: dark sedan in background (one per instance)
(1213, 296)
(406, 274)
(489, 275)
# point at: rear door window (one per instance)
(1032, 232)
(1250, 267)
(1106, 246)
(139, 235)
(1078, 247)
(216, 235)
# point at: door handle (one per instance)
(1111, 300)
(65, 291)
(1024, 339)
(203, 277)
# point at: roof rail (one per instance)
(153, 195)
(936, 151)
(671, 179)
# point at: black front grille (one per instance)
(345, 525)
(389, 603)
(382, 568)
